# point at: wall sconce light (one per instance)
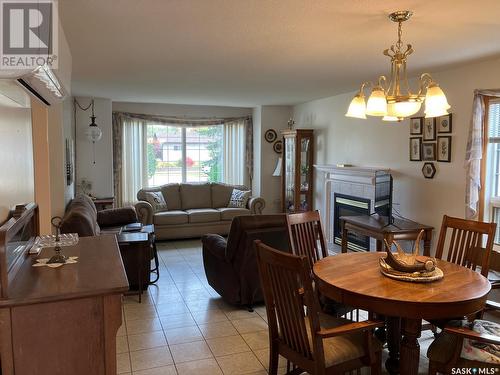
(93, 133)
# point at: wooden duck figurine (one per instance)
(403, 262)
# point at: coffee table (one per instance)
(355, 280)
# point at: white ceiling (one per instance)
(250, 52)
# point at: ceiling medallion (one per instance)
(394, 101)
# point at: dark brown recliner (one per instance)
(231, 266)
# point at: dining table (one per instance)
(355, 279)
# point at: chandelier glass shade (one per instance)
(93, 132)
(395, 101)
(357, 108)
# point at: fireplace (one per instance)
(354, 190)
(348, 205)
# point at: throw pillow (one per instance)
(155, 198)
(239, 198)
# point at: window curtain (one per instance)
(234, 142)
(129, 144)
(129, 140)
(474, 152)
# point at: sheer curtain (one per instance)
(474, 152)
(133, 171)
(130, 150)
(234, 171)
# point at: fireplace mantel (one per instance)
(361, 175)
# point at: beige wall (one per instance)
(16, 159)
(374, 143)
(42, 164)
(272, 117)
(100, 173)
(56, 157)
(257, 146)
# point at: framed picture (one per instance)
(428, 151)
(429, 170)
(415, 149)
(444, 149)
(429, 129)
(270, 135)
(416, 125)
(444, 124)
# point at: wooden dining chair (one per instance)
(465, 247)
(306, 238)
(445, 352)
(314, 342)
(306, 235)
(466, 243)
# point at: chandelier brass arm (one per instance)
(393, 99)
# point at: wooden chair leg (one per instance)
(434, 330)
(432, 368)
(273, 360)
(376, 367)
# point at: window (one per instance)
(184, 154)
(492, 192)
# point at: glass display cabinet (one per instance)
(297, 172)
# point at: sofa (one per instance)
(231, 266)
(82, 217)
(194, 209)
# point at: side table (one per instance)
(135, 249)
(372, 227)
(150, 229)
(103, 203)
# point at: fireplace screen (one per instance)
(347, 205)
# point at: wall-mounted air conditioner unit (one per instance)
(41, 83)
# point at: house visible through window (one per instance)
(492, 192)
(184, 154)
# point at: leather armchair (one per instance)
(231, 265)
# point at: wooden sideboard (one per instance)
(64, 320)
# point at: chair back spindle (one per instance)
(306, 235)
(465, 246)
(287, 287)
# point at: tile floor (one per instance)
(183, 326)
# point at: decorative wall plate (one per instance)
(278, 147)
(270, 135)
(428, 170)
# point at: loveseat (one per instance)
(194, 209)
(82, 217)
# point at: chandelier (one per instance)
(394, 100)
